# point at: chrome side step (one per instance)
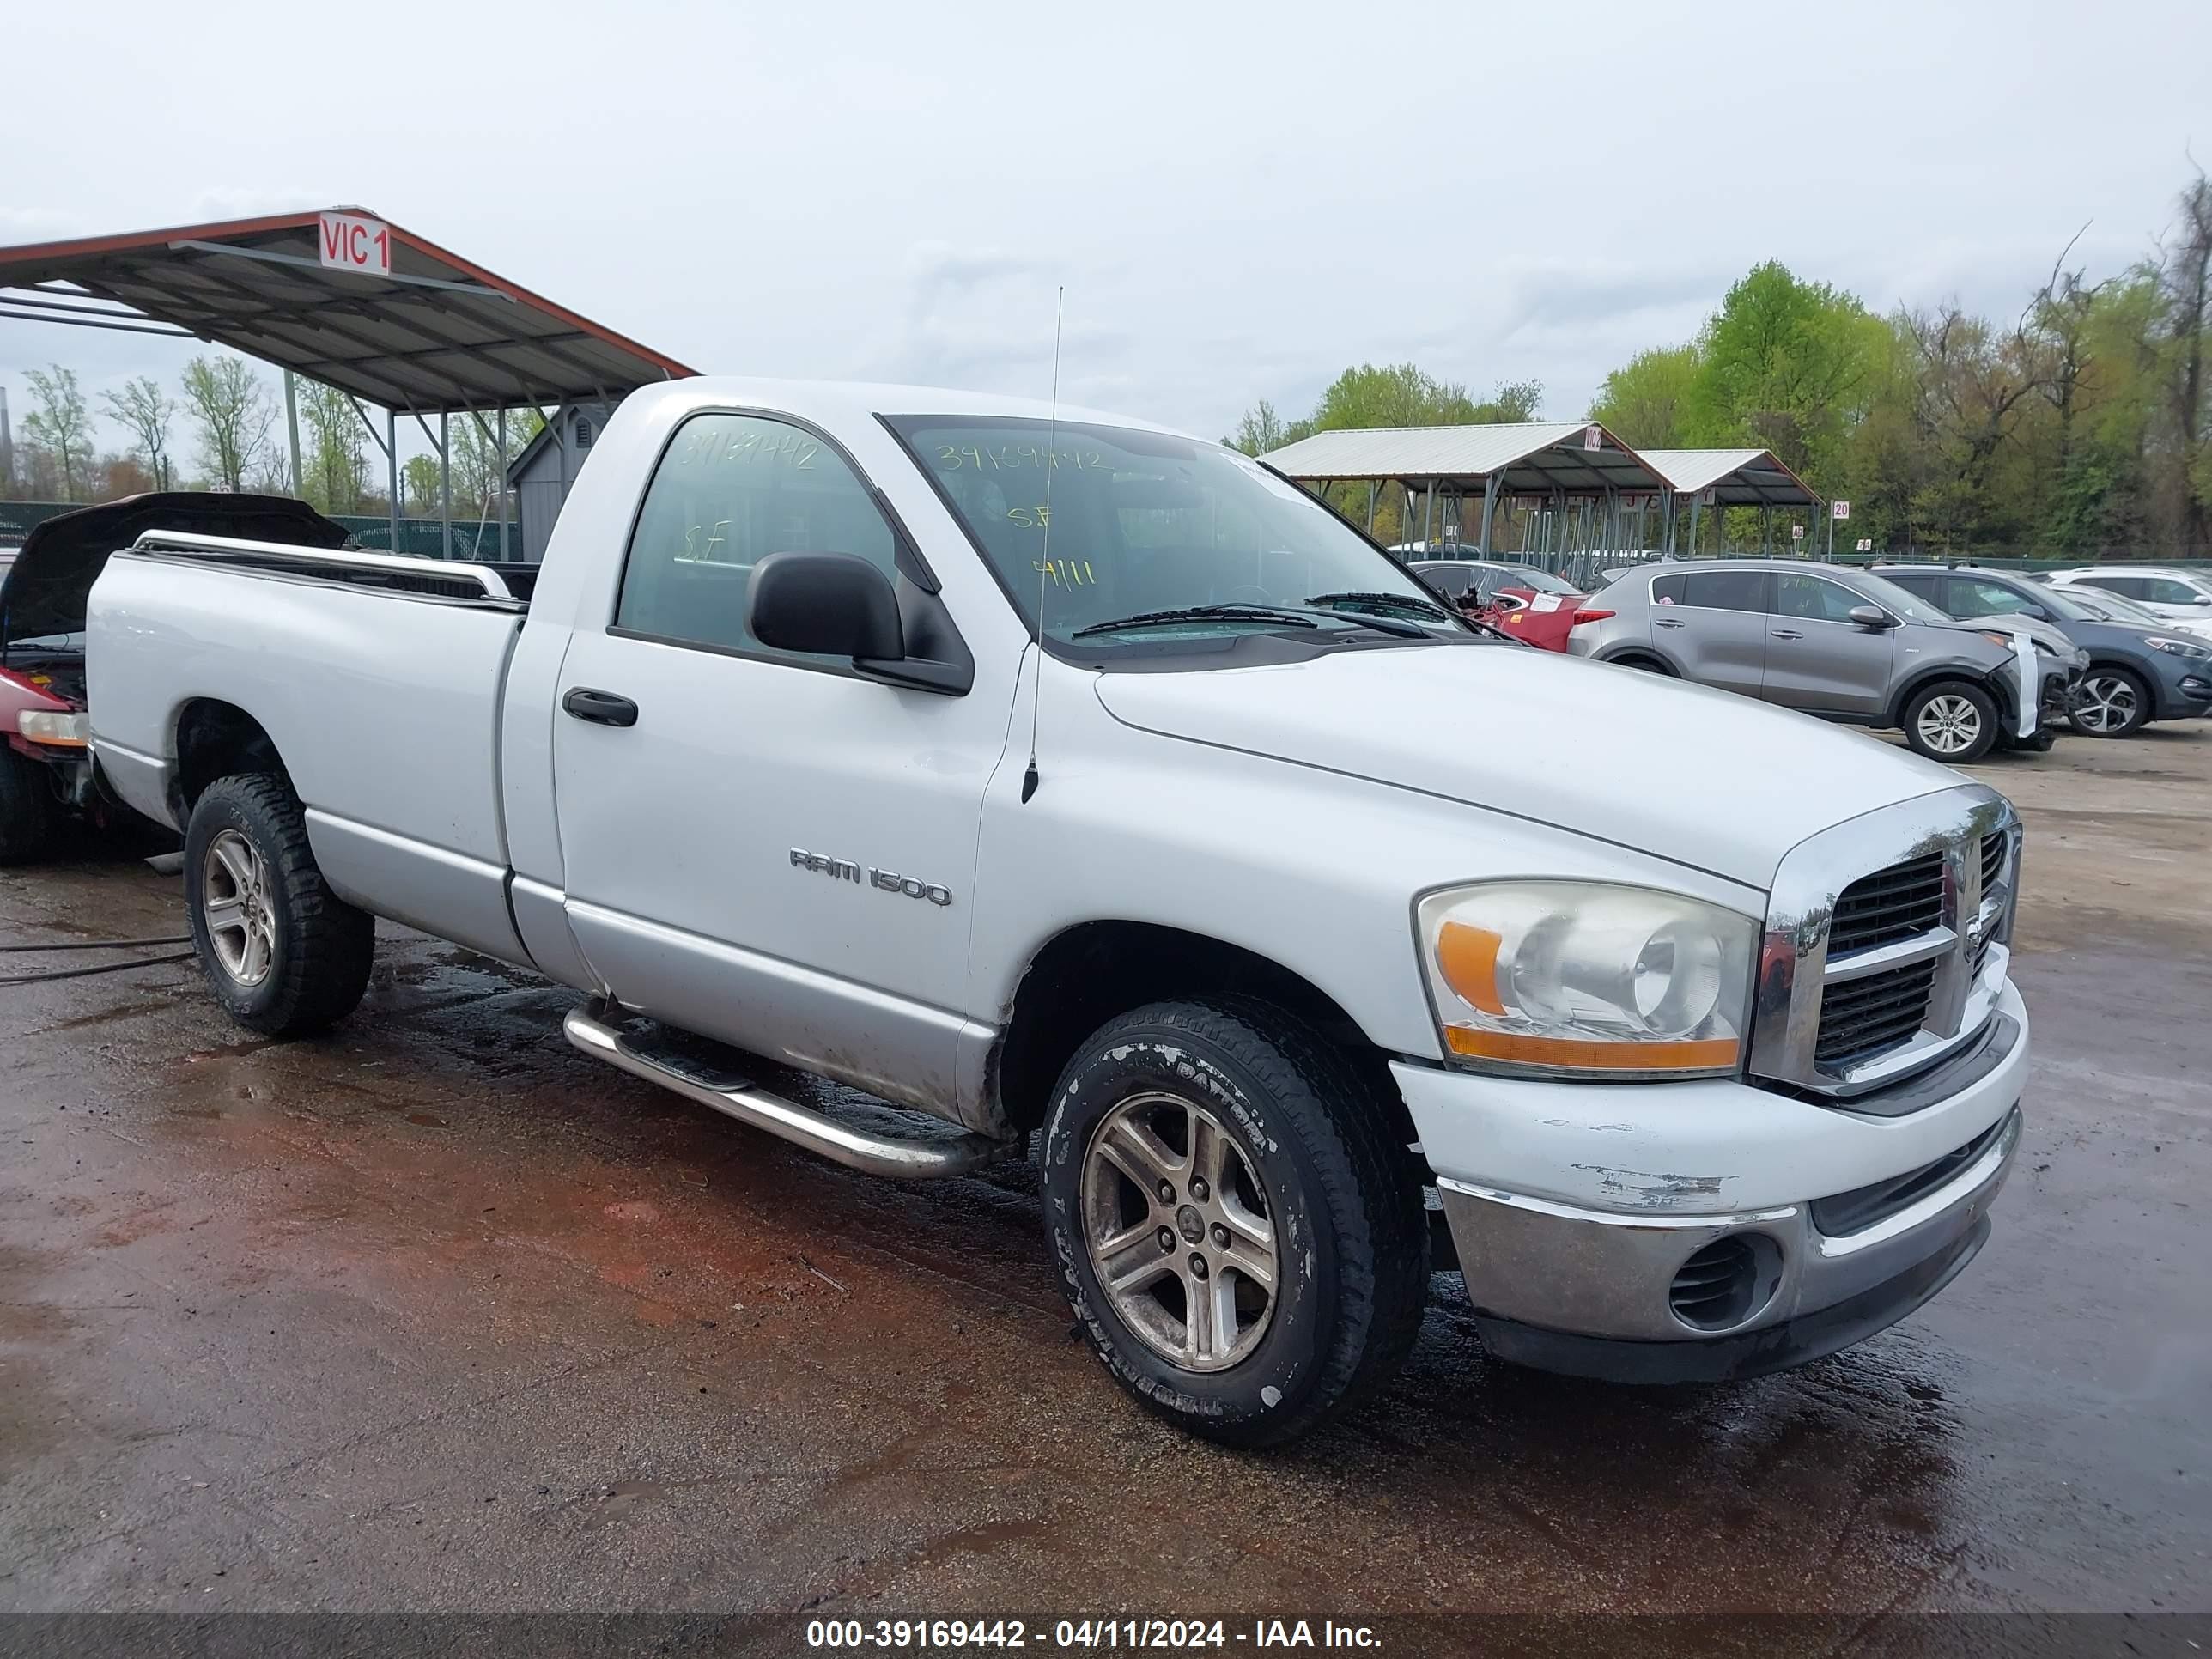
(917, 1159)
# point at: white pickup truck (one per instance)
(1084, 784)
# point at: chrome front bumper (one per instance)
(1587, 1291)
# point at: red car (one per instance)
(1530, 603)
(47, 778)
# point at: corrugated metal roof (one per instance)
(1526, 456)
(439, 334)
(1737, 478)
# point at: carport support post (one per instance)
(1696, 510)
(1429, 523)
(1767, 530)
(292, 426)
(1374, 487)
(445, 488)
(391, 460)
(501, 486)
(1489, 510)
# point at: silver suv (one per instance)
(1832, 642)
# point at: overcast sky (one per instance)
(1240, 200)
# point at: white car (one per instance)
(2177, 596)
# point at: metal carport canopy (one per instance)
(438, 335)
(1737, 478)
(1580, 458)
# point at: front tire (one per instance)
(2110, 702)
(1953, 721)
(1235, 1225)
(283, 955)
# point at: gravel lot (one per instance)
(436, 1314)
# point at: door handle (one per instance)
(600, 707)
(1788, 634)
(1663, 621)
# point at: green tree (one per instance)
(60, 429)
(479, 471)
(233, 413)
(1513, 400)
(418, 486)
(1262, 430)
(144, 411)
(334, 468)
(1399, 395)
(1785, 365)
(1645, 403)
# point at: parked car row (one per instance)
(2142, 666)
(1960, 660)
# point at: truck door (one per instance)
(1817, 658)
(1717, 629)
(761, 845)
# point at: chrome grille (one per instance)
(1898, 903)
(1874, 927)
(1993, 864)
(1863, 1018)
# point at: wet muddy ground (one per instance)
(437, 1313)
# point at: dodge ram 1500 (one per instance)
(1048, 772)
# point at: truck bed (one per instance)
(377, 678)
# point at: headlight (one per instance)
(49, 726)
(1553, 976)
(2172, 647)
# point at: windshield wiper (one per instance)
(1201, 613)
(1418, 606)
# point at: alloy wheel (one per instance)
(1178, 1231)
(1950, 725)
(241, 916)
(2107, 703)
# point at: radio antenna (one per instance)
(1044, 563)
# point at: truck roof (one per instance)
(828, 401)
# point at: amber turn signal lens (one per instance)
(1695, 1055)
(1467, 955)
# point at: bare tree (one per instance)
(235, 413)
(2185, 283)
(143, 409)
(60, 429)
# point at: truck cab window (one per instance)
(731, 491)
(1100, 524)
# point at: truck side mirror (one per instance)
(832, 605)
(1866, 616)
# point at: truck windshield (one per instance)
(1110, 524)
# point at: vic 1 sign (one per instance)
(347, 242)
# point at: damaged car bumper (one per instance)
(1708, 1230)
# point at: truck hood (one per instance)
(46, 590)
(1701, 777)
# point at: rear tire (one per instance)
(283, 955)
(2111, 702)
(1953, 721)
(30, 812)
(1312, 1190)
